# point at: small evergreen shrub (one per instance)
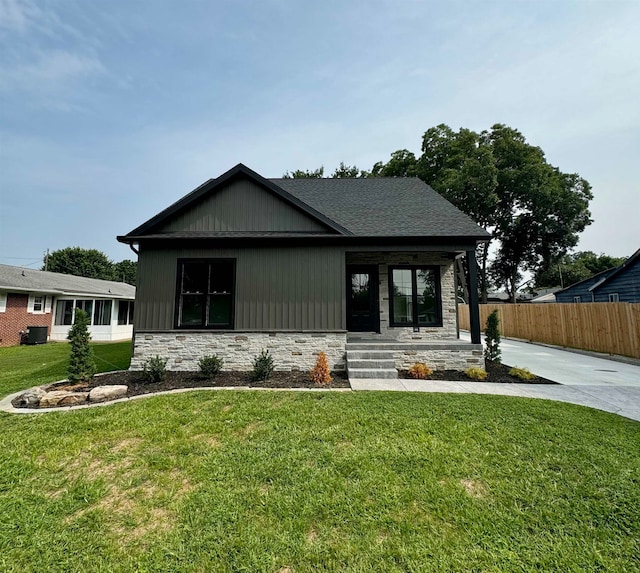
(492, 338)
(263, 366)
(155, 369)
(420, 371)
(81, 364)
(210, 366)
(476, 373)
(522, 373)
(321, 373)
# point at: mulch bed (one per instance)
(174, 380)
(495, 373)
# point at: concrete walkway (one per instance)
(585, 380)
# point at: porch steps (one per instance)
(370, 360)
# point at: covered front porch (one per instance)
(402, 308)
(407, 295)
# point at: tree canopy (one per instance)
(90, 263)
(574, 267)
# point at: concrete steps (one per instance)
(372, 360)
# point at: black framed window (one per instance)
(205, 293)
(415, 296)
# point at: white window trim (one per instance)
(46, 304)
(614, 297)
(577, 299)
(3, 301)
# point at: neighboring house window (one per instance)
(576, 299)
(38, 304)
(613, 297)
(3, 301)
(64, 312)
(125, 312)
(86, 305)
(205, 293)
(415, 296)
(102, 313)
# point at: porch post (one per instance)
(474, 309)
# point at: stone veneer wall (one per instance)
(290, 350)
(448, 357)
(448, 330)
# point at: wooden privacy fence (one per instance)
(609, 327)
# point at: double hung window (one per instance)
(205, 293)
(415, 296)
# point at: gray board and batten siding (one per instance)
(275, 288)
(244, 206)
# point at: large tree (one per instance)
(81, 262)
(533, 210)
(90, 263)
(125, 271)
(574, 267)
(540, 210)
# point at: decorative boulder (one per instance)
(63, 398)
(30, 398)
(106, 393)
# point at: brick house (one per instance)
(39, 298)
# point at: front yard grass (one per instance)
(265, 481)
(22, 367)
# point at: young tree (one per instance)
(492, 338)
(81, 364)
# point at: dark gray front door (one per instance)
(362, 298)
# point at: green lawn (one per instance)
(292, 482)
(22, 367)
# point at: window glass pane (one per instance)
(360, 293)
(426, 285)
(130, 312)
(192, 310)
(220, 310)
(102, 313)
(64, 312)
(123, 311)
(86, 305)
(37, 304)
(402, 296)
(195, 277)
(221, 280)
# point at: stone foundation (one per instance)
(444, 357)
(290, 350)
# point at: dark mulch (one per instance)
(174, 380)
(495, 373)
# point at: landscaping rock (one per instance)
(105, 393)
(62, 398)
(30, 398)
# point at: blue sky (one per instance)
(110, 111)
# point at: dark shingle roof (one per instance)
(30, 280)
(367, 207)
(383, 206)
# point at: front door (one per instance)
(362, 298)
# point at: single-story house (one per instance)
(619, 284)
(362, 269)
(44, 299)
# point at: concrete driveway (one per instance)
(585, 380)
